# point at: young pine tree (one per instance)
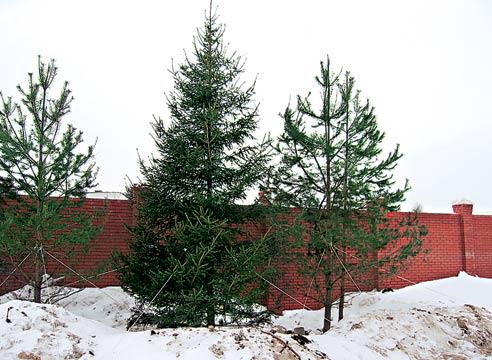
(186, 259)
(46, 178)
(368, 194)
(331, 167)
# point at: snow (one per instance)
(417, 322)
(443, 319)
(462, 201)
(107, 195)
(110, 305)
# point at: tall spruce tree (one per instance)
(332, 168)
(45, 176)
(186, 259)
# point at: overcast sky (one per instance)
(425, 66)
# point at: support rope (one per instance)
(452, 298)
(155, 297)
(344, 268)
(95, 276)
(83, 277)
(13, 271)
(316, 273)
(150, 303)
(283, 292)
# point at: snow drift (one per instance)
(443, 319)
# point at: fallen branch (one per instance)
(60, 295)
(283, 342)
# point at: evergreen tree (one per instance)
(45, 176)
(207, 159)
(331, 166)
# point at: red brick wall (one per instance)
(442, 255)
(115, 214)
(455, 242)
(482, 228)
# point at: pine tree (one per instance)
(331, 167)
(207, 159)
(46, 178)
(368, 191)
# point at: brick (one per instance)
(458, 241)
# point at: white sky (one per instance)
(425, 65)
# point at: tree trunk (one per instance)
(345, 207)
(326, 115)
(328, 304)
(211, 317)
(40, 211)
(341, 304)
(210, 310)
(38, 280)
(211, 300)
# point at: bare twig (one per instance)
(283, 342)
(58, 296)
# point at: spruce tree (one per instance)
(45, 178)
(332, 168)
(186, 260)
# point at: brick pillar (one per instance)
(465, 210)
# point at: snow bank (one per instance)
(45, 331)
(443, 319)
(110, 305)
